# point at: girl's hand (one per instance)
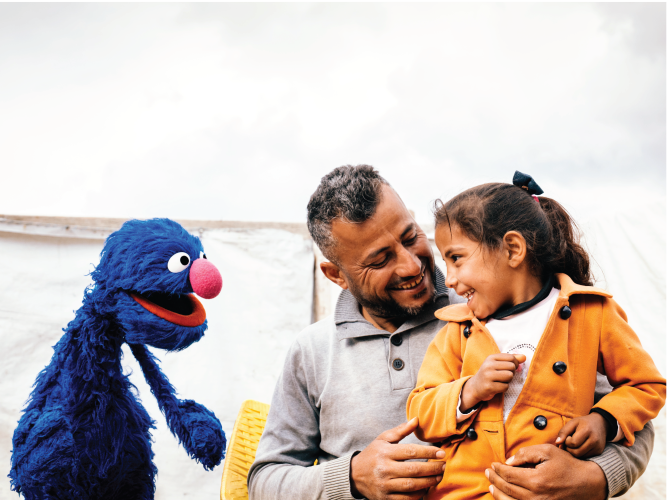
(584, 436)
(492, 378)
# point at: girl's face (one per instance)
(483, 277)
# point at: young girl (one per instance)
(516, 366)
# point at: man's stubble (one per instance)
(389, 308)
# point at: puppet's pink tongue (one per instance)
(205, 279)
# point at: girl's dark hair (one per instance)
(485, 213)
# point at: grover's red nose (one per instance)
(205, 279)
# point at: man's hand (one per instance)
(584, 436)
(556, 475)
(493, 377)
(380, 470)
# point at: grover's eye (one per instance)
(202, 255)
(178, 262)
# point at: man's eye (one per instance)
(381, 263)
(411, 241)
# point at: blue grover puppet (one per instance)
(83, 434)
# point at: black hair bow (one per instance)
(526, 182)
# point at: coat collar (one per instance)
(459, 313)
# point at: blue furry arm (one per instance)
(196, 427)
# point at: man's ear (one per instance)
(515, 248)
(333, 272)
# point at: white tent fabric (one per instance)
(267, 298)
(629, 250)
(265, 301)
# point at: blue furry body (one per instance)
(83, 433)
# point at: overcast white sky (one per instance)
(235, 111)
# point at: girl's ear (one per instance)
(515, 248)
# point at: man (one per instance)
(346, 378)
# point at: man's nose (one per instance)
(408, 264)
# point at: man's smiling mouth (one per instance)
(412, 284)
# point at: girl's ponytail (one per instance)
(567, 254)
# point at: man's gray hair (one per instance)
(348, 193)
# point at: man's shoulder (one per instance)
(316, 339)
(319, 331)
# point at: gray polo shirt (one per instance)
(344, 382)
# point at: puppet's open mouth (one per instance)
(180, 309)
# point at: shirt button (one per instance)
(471, 433)
(466, 332)
(559, 367)
(540, 422)
(565, 312)
(398, 364)
(397, 340)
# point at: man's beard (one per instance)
(388, 308)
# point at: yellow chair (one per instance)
(242, 448)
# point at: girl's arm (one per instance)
(639, 388)
(435, 399)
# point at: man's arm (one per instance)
(557, 475)
(283, 466)
(622, 466)
(380, 470)
(545, 472)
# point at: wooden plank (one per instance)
(108, 224)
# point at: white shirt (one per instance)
(520, 334)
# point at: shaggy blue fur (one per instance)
(83, 434)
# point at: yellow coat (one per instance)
(596, 337)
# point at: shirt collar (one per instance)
(350, 323)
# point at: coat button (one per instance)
(565, 312)
(471, 433)
(559, 367)
(398, 364)
(466, 332)
(397, 340)
(540, 422)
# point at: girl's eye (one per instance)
(455, 258)
(178, 262)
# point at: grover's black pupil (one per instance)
(204, 256)
(184, 260)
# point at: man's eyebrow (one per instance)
(371, 256)
(376, 253)
(410, 227)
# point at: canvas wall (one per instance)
(265, 301)
(267, 298)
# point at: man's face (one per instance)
(386, 261)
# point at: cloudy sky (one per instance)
(235, 111)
